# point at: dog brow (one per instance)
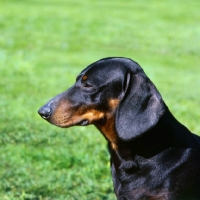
(78, 77)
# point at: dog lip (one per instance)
(83, 123)
(44, 117)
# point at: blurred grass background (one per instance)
(44, 45)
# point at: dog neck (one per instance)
(107, 128)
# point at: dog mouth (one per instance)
(66, 120)
(84, 122)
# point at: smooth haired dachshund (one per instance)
(153, 156)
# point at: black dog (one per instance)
(153, 156)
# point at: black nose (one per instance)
(45, 112)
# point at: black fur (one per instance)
(153, 156)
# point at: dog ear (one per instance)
(140, 108)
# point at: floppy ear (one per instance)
(140, 109)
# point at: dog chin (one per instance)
(84, 122)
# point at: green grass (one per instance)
(44, 45)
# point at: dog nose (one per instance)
(45, 112)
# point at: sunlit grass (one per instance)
(44, 45)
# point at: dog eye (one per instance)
(87, 85)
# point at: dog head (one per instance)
(111, 88)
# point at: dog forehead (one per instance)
(110, 69)
(109, 65)
(104, 73)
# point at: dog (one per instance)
(153, 156)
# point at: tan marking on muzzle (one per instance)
(65, 115)
(62, 112)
